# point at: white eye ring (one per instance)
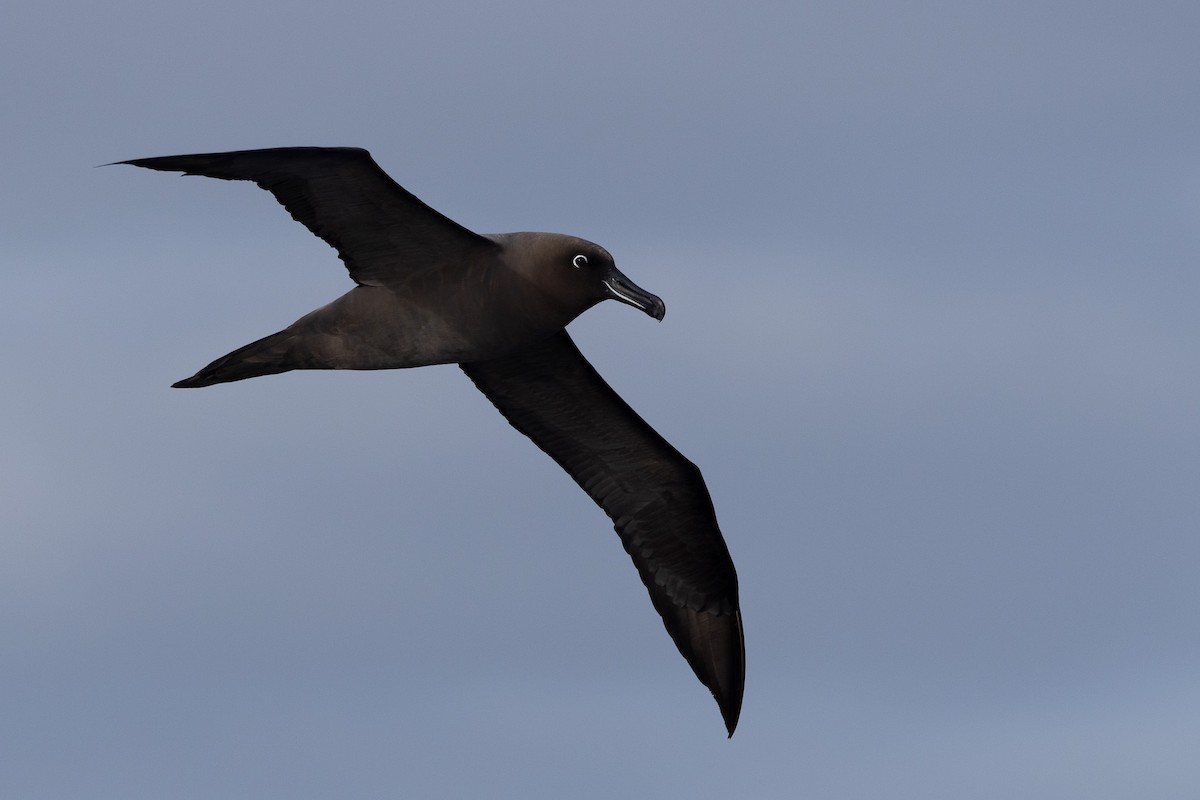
(578, 261)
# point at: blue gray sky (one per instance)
(931, 279)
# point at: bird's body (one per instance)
(433, 317)
(432, 292)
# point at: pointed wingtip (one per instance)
(731, 708)
(194, 382)
(714, 647)
(730, 683)
(133, 162)
(162, 163)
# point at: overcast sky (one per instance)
(931, 272)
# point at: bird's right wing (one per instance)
(382, 232)
(655, 497)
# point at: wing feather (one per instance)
(382, 232)
(655, 497)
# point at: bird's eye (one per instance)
(579, 261)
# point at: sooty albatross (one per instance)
(432, 292)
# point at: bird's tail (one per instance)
(268, 356)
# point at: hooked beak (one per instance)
(622, 289)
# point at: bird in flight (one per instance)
(429, 291)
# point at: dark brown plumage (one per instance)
(432, 292)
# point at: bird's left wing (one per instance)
(381, 231)
(656, 498)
